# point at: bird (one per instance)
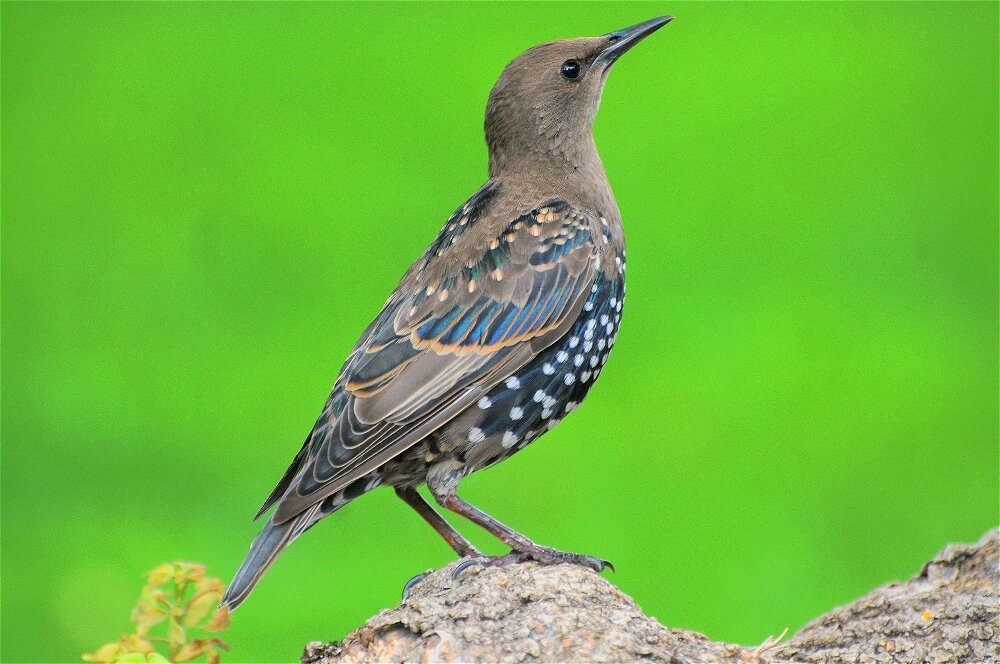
(493, 335)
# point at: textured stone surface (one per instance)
(947, 613)
(562, 613)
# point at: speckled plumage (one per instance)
(533, 399)
(494, 334)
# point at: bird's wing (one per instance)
(470, 312)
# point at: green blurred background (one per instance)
(204, 204)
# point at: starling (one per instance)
(494, 334)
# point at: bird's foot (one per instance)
(412, 582)
(539, 554)
(549, 556)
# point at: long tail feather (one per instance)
(271, 541)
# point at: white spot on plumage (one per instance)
(484, 403)
(516, 413)
(585, 376)
(571, 406)
(600, 344)
(509, 438)
(578, 360)
(539, 395)
(589, 306)
(574, 342)
(512, 383)
(593, 360)
(569, 379)
(551, 424)
(476, 435)
(548, 369)
(562, 356)
(587, 346)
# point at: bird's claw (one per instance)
(412, 582)
(549, 556)
(591, 562)
(467, 563)
(542, 555)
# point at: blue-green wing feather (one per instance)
(454, 327)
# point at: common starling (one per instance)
(494, 334)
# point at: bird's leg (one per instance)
(515, 540)
(454, 538)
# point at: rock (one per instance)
(562, 613)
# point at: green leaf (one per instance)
(175, 633)
(160, 575)
(109, 652)
(199, 606)
(132, 658)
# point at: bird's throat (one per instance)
(549, 161)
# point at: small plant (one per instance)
(180, 595)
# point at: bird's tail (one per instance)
(271, 541)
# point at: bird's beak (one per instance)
(622, 40)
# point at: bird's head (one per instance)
(545, 101)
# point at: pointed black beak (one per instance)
(622, 40)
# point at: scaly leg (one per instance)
(454, 538)
(515, 540)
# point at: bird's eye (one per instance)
(570, 69)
